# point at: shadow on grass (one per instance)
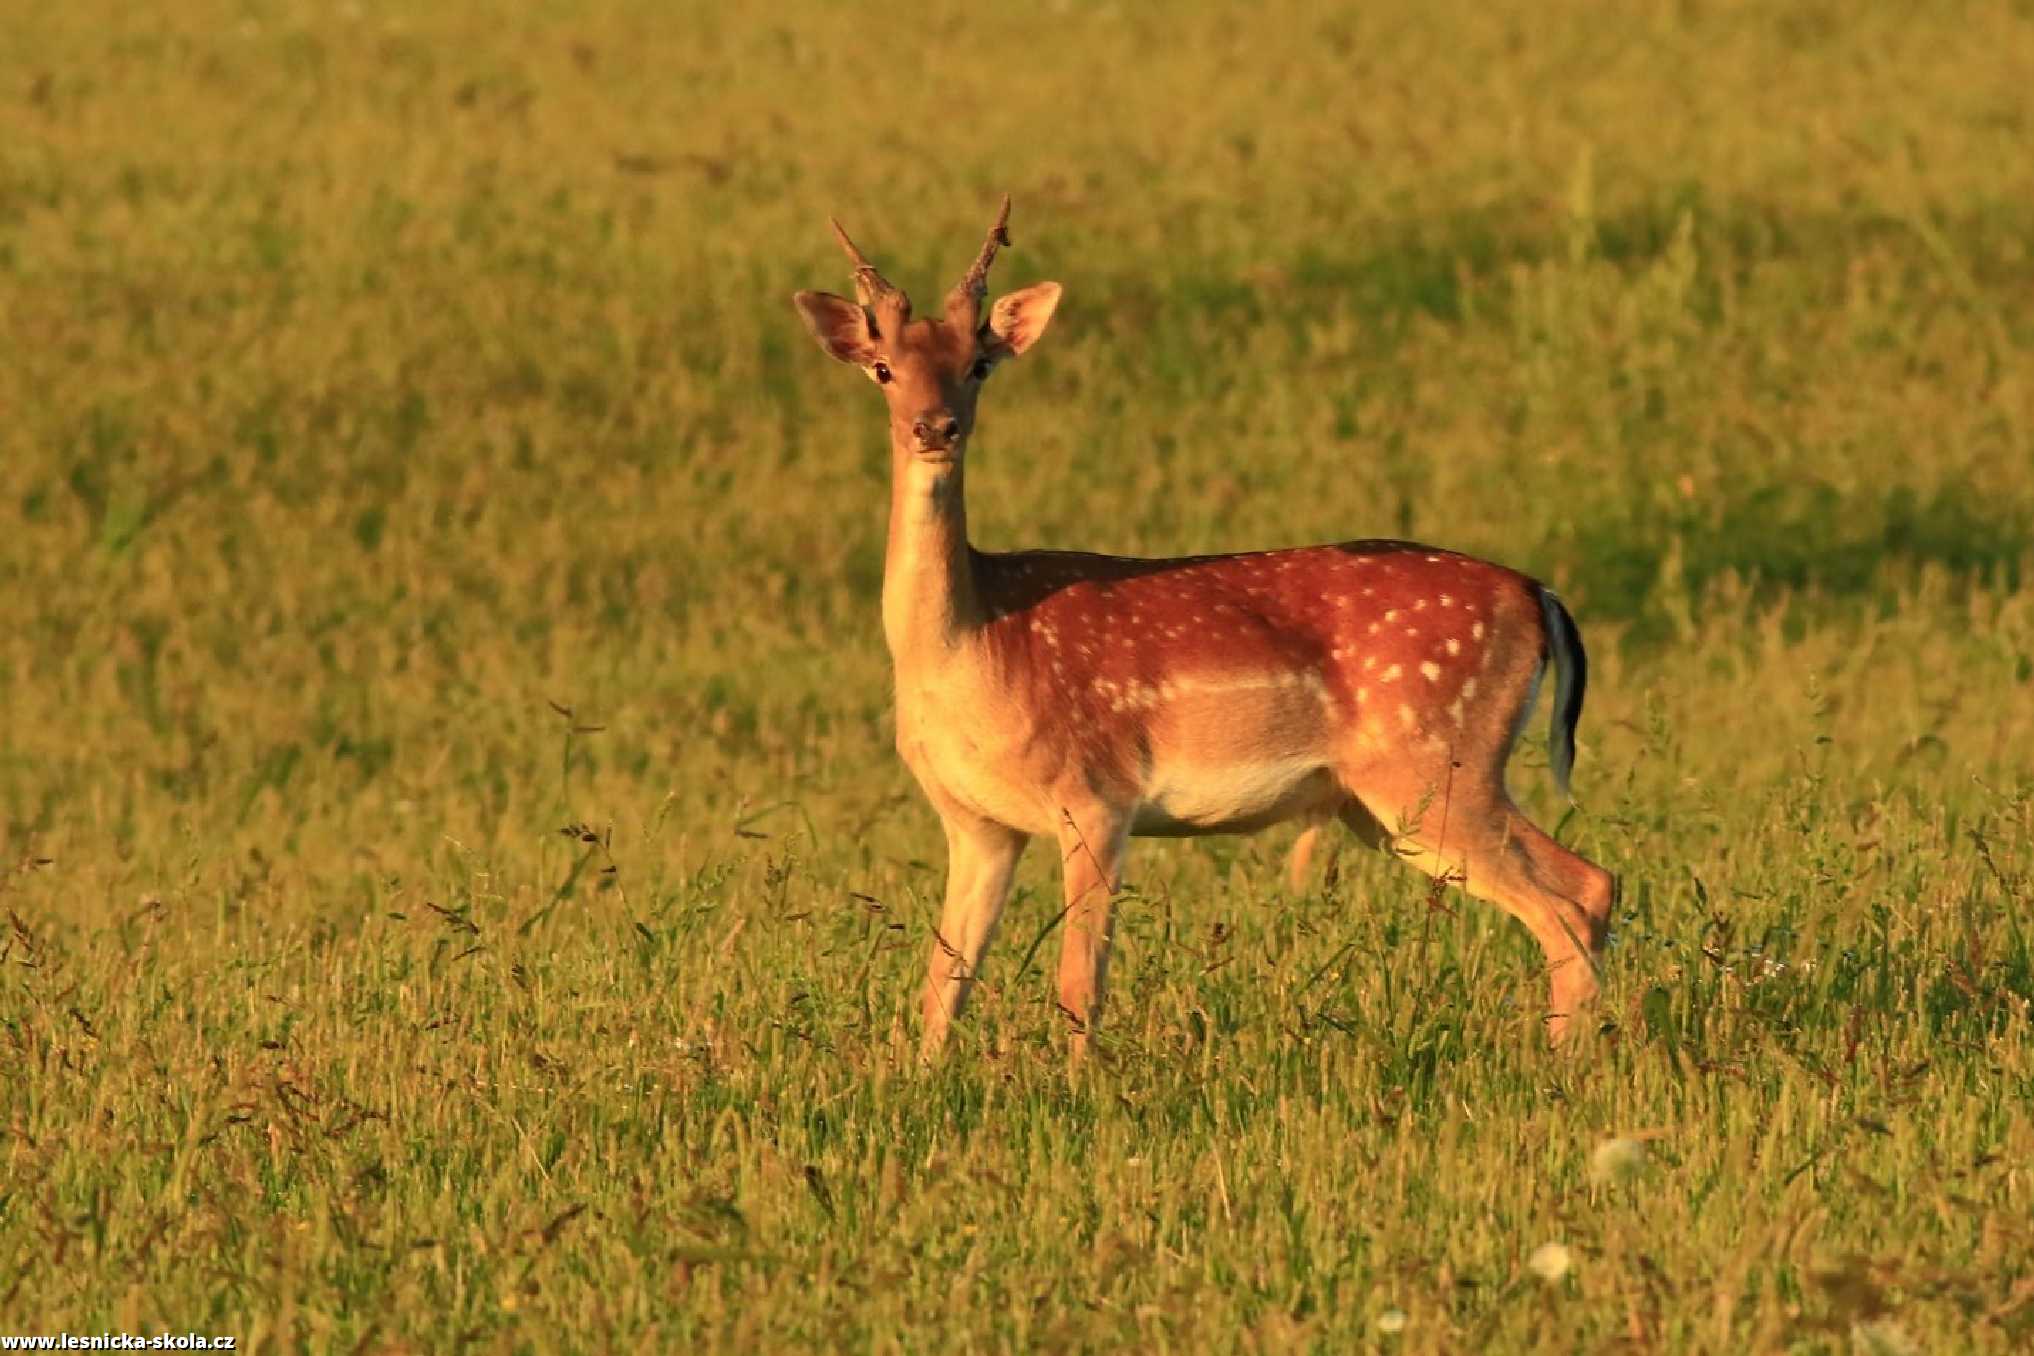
(1631, 561)
(1421, 266)
(1795, 537)
(1438, 268)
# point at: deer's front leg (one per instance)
(1091, 845)
(980, 859)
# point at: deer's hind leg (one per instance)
(1301, 860)
(1457, 823)
(1434, 778)
(1499, 856)
(1353, 816)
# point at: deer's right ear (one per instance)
(840, 326)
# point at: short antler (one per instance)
(869, 281)
(968, 293)
(891, 307)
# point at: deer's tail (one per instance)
(1571, 667)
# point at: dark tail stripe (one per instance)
(1571, 663)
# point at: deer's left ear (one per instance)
(1018, 318)
(840, 326)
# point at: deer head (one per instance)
(930, 370)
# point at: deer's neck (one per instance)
(930, 606)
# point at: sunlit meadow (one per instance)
(459, 891)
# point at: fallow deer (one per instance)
(1089, 698)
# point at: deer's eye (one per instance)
(982, 366)
(882, 370)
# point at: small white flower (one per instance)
(1391, 1322)
(1882, 1337)
(1616, 1160)
(1551, 1261)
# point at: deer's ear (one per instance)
(1018, 318)
(840, 326)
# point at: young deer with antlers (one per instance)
(1087, 698)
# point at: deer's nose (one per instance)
(937, 431)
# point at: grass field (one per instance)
(459, 891)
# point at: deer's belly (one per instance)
(1233, 796)
(1229, 754)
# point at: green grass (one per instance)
(459, 890)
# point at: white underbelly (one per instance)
(1232, 796)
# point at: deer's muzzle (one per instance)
(935, 431)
